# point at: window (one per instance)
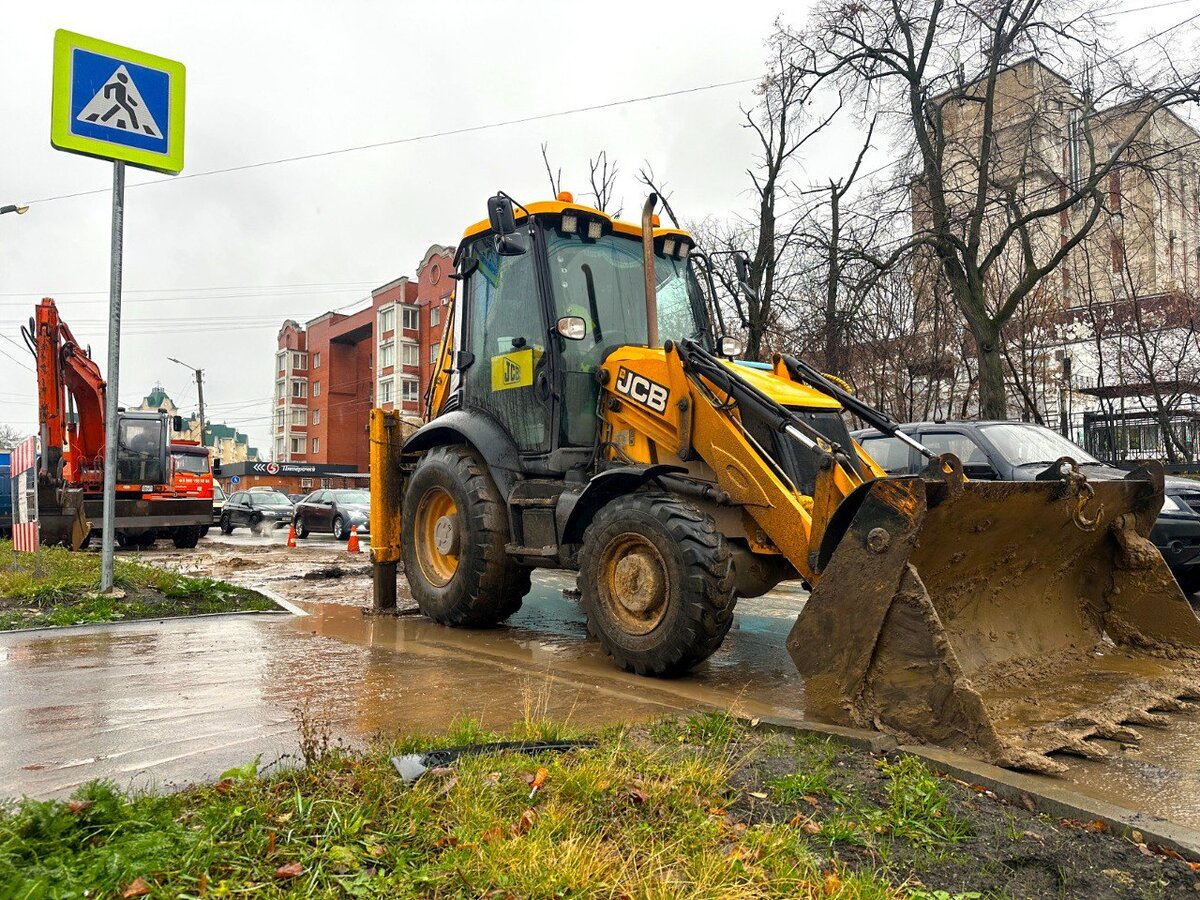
(279, 445)
(316, 445)
(317, 360)
(299, 360)
(889, 453)
(299, 388)
(298, 417)
(958, 444)
(387, 320)
(409, 354)
(316, 389)
(385, 391)
(412, 318)
(279, 390)
(297, 445)
(316, 417)
(435, 316)
(387, 355)
(408, 390)
(305, 483)
(280, 419)
(433, 353)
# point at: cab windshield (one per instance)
(601, 282)
(188, 462)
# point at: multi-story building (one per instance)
(333, 369)
(224, 442)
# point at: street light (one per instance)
(19, 209)
(199, 392)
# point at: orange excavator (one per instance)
(71, 396)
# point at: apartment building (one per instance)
(334, 368)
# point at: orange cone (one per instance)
(291, 536)
(352, 545)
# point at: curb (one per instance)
(858, 738)
(1049, 797)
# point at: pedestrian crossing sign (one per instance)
(116, 103)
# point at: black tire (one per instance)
(256, 525)
(146, 539)
(301, 528)
(485, 585)
(226, 525)
(185, 537)
(660, 537)
(204, 531)
(340, 531)
(122, 540)
(1189, 581)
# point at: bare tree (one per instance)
(602, 178)
(10, 436)
(1005, 168)
(555, 177)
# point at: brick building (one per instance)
(333, 369)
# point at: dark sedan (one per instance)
(256, 510)
(1018, 451)
(334, 511)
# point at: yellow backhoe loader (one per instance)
(588, 414)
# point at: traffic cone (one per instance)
(291, 536)
(352, 546)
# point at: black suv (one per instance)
(1018, 451)
(257, 509)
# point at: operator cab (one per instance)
(142, 448)
(548, 292)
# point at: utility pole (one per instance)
(199, 373)
(108, 531)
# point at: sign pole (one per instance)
(114, 367)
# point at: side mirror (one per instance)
(503, 222)
(729, 347)
(742, 263)
(177, 423)
(573, 328)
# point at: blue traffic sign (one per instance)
(236, 479)
(117, 103)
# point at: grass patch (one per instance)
(631, 817)
(57, 587)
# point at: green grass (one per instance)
(57, 587)
(632, 817)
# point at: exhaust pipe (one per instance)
(648, 270)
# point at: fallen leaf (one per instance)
(289, 870)
(224, 786)
(202, 887)
(1137, 836)
(493, 834)
(34, 767)
(271, 844)
(753, 723)
(439, 772)
(377, 850)
(75, 807)
(446, 788)
(811, 801)
(637, 795)
(1195, 867)
(758, 795)
(138, 888)
(528, 818)
(811, 827)
(448, 840)
(833, 884)
(1173, 854)
(1098, 825)
(526, 777)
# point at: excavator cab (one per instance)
(585, 416)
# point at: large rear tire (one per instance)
(455, 529)
(656, 582)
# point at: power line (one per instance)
(221, 287)
(411, 139)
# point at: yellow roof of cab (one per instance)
(558, 207)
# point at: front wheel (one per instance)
(256, 525)
(186, 536)
(656, 582)
(454, 532)
(340, 532)
(301, 528)
(226, 525)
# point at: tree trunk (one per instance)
(992, 398)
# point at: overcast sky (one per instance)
(267, 80)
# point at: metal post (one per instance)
(109, 530)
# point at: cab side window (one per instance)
(961, 445)
(889, 453)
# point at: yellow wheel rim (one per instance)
(634, 584)
(437, 534)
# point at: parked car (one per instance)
(1018, 451)
(257, 510)
(218, 503)
(333, 510)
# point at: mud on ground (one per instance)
(878, 812)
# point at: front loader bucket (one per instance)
(1007, 619)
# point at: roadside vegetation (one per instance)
(702, 807)
(57, 587)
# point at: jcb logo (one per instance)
(643, 390)
(512, 372)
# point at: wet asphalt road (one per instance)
(166, 703)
